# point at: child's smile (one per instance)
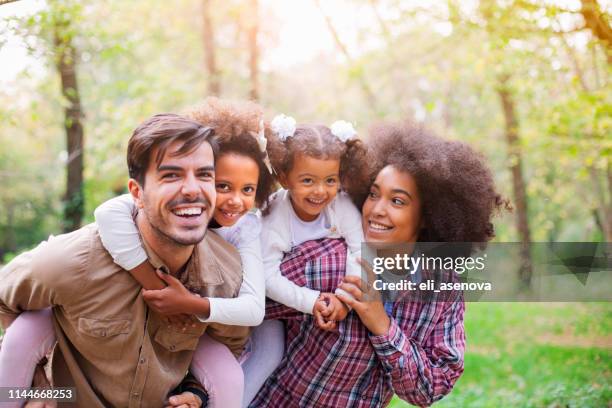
(313, 184)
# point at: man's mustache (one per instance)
(181, 201)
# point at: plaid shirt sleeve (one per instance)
(424, 373)
(277, 311)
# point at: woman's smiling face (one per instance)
(236, 184)
(392, 211)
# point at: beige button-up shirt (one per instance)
(111, 346)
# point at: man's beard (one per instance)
(173, 239)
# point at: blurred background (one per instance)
(525, 82)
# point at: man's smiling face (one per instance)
(179, 193)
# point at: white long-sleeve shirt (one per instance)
(120, 237)
(341, 219)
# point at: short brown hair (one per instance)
(317, 141)
(236, 125)
(159, 131)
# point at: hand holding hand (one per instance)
(338, 309)
(371, 311)
(321, 311)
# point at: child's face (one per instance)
(236, 184)
(313, 184)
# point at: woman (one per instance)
(424, 189)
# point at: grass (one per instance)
(549, 355)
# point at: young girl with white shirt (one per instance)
(313, 164)
(243, 180)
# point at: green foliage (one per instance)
(535, 355)
(147, 57)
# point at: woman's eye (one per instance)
(222, 187)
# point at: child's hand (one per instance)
(339, 309)
(321, 311)
(172, 300)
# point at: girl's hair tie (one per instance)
(283, 126)
(262, 142)
(343, 130)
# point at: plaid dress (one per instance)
(419, 359)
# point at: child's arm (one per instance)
(120, 237)
(248, 308)
(281, 289)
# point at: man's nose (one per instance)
(191, 185)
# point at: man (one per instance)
(113, 348)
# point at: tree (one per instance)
(66, 64)
(214, 78)
(252, 31)
(519, 190)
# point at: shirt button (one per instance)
(103, 334)
(172, 347)
(143, 360)
(135, 394)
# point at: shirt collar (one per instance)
(202, 268)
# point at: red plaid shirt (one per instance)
(419, 359)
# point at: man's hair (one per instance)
(159, 131)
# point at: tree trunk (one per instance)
(597, 22)
(66, 65)
(253, 50)
(214, 79)
(518, 182)
(365, 86)
(604, 204)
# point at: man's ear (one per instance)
(137, 192)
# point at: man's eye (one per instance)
(222, 187)
(169, 176)
(207, 175)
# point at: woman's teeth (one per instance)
(189, 211)
(379, 227)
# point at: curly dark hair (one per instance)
(458, 195)
(236, 124)
(318, 141)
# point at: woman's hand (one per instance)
(371, 311)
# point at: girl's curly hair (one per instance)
(318, 141)
(236, 124)
(458, 195)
